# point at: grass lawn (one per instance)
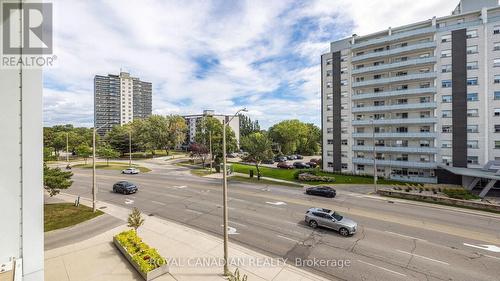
(62, 215)
(288, 175)
(200, 172)
(112, 166)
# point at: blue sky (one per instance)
(221, 55)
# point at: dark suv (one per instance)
(325, 191)
(124, 187)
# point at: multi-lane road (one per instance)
(395, 240)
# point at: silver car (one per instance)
(327, 218)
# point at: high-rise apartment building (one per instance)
(415, 99)
(119, 99)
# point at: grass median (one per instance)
(60, 215)
(113, 166)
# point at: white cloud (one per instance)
(267, 51)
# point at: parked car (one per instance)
(131, 171)
(268, 161)
(327, 218)
(292, 157)
(312, 164)
(284, 165)
(124, 187)
(317, 161)
(325, 191)
(280, 159)
(301, 165)
(300, 157)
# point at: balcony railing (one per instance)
(417, 149)
(394, 93)
(394, 107)
(396, 163)
(414, 76)
(429, 120)
(396, 36)
(388, 66)
(416, 135)
(414, 179)
(409, 48)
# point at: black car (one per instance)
(300, 157)
(325, 191)
(291, 157)
(268, 161)
(312, 164)
(124, 187)
(280, 159)
(301, 165)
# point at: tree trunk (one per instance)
(258, 171)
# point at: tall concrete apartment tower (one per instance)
(119, 99)
(416, 99)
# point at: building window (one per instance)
(472, 65)
(446, 99)
(329, 84)
(360, 167)
(425, 114)
(446, 84)
(496, 112)
(425, 85)
(473, 144)
(472, 49)
(472, 81)
(497, 128)
(329, 119)
(496, 46)
(496, 62)
(446, 53)
(328, 61)
(496, 95)
(329, 107)
(446, 38)
(401, 87)
(471, 33)
(425, 143)
(329, 96)
(472, 97)
(343, 142)
(343, 70)
(343, 166)
(473, 160)
(329, 153)
(496, 29)
(329, 142)
(446, 160)
(446, 68)
(343, 82)
(472, 113)
(425, 129)
(360, 142)
(472, 129)
(378, 103)
(328, 73)
(329, 130)
(447, 129)
(446, 144)
(425, 99)
(446, 114)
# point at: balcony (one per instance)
(417, 149)
(388, 80)
(414, 179)
(396, 163)
(399, 93)
(406, 106)
(429, 120)
(395, 51)
(396, 36)
(388, 66)
(416, 135)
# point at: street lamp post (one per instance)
(210, 143)
(224, 190)
(129, 148)
(94, 185)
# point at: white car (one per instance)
(131, 171)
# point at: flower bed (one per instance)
(146, 260)
(311, 177)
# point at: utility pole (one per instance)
(129, 148)
(67, 148)
(94, 185)
(210, 143)
(224, 187)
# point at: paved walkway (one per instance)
(97, 259)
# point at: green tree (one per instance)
(118, 138)
(309, 143)
(84, 151)
(135, 219)
(107, 152)
(54, 179)
(259, 147)
(247, 126)
(293, 136)
(210, 125)
(177, 129)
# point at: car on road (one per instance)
(280, 159)
(130, 171)
(327, 218)
(312, 164)
(301, 165)
(292, 157)
(268, 161)
(325, 191)
(284, 165)
(124, 187)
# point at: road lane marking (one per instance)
(293, 240)
(383, 268)
(237, 223)
(180, 186)
(236, 199)
(159, 203)
(491, 248)
(419, 256)
(492, 257)
(129, 201)
(279, 203)
(402, 235)
(231, 230)
(193, 211)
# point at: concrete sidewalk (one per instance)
(192, 255)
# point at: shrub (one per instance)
(146, 257)
(459, 193)
(311, 177)
(236, 276)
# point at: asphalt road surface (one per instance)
(395, 240)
